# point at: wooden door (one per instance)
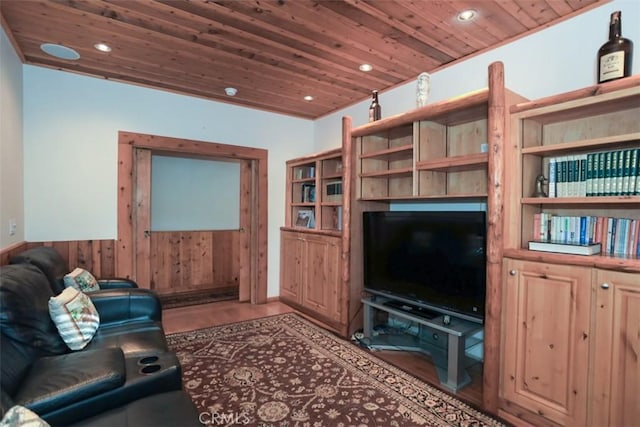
(546, 339)
(616, 367)
(321, 287)
(290, 266)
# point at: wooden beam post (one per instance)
(495, 209)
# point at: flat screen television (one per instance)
(434, 260)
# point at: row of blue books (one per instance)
(606, 173)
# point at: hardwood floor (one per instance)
(218, 313)
(189, 318)
(420, 366)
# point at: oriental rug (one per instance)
(284, 371)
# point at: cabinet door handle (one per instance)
(605, 286)
(513, 272)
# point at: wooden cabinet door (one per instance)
(291, 266)
(616, 367)
(546, 339)
(321, 271)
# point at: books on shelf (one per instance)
(308, 193)
(617, 236)
(606, 173)
(565, 248)
(303, 172)
(552, 177)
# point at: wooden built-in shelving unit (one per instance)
(315, 261)
(575, 313)
(434, 151)
(308, 179)
(600, 118)
(449, 150)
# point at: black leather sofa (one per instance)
(169, 409)
(51, 263)
(124, 372)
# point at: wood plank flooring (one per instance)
(190, 318)
(194, 317)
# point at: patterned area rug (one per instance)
(284, 371)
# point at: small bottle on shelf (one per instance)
(375, 111)
(615, 56)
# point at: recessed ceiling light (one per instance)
(308, 98)
(102, 47)
(467, 15)
(60, 51)
(230, 91)
(366, 67)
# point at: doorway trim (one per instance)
(256, 227)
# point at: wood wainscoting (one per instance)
(96, 256)
(187, 261)
(184, 261)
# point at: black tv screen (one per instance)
(436, 260)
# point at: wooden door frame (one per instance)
(255, 214)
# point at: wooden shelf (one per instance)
(388, 173)
(609, 262)
(552, 102)
(332, 176)
(583, 145)
(609, 200)
(456, 163)
(402, 151)
(335, 233)
(471, 106)
(468, 196)
(303, 180)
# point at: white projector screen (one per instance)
(194, 194)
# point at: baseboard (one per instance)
(513, 419)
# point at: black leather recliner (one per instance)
(126, 360)
(51, 263)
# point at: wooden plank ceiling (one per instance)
(274, 52)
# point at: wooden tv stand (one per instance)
(450, 362)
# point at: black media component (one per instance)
(430, 260)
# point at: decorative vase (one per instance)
(424, 86)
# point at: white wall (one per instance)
(71, 125)
(555, 60)
(11, 157)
